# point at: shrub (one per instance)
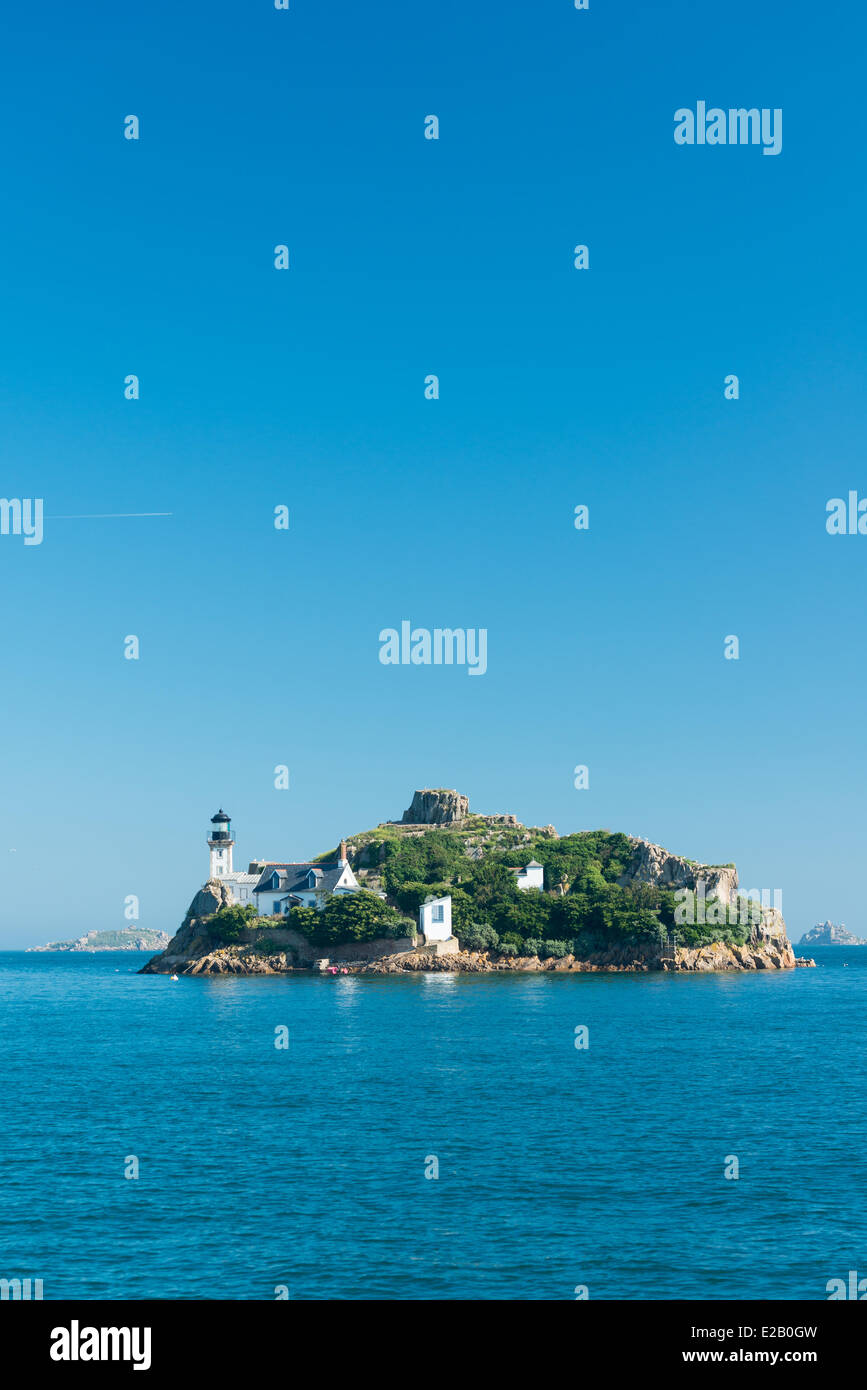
(555, 950)
(476, 936)
(508, 949)
(511, 938)
(229, 923)
(304, 920)
(358, 916)
(532, 947)
(404, 926)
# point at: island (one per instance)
(125, 939)
(444, 889)
(827, 934)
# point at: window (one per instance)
(438, 914)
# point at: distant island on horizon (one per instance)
(446, 889)
(827, 934)
(124, 939)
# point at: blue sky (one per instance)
(305, 388)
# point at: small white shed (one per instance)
(435, 919)
(531, 877)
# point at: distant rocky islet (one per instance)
(124, 939)
(827, 934)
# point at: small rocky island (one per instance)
(827, 934)
(516, 898)
(125, 939)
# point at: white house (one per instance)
(241, 887)
(435, 919)
(275, 888)
(284, 886)
(531, 877)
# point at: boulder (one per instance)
(209, 899)
(436, 807)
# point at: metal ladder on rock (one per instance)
(668, 949)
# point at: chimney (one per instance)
(342, 854)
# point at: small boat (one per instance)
(174, 977)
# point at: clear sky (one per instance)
(305, 388)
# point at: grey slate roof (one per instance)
(292, 878)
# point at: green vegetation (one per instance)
(356, 917)
(583, 909)
(229, 923)
(477, 937)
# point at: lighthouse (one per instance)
(220, 843)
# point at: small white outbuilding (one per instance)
(435, 926)
(531, 877)
(435, 919)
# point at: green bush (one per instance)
(512, 939)
(476, 936)
(358, 916)
(705, 934)
(556, 950)
(304, 920)
(229, 923)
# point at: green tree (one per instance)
(229, 923)
(358, 916)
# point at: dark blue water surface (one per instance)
(306, 1167)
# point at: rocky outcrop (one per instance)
(264, 949)
(653, 864)
(191, 955)
(244, 961)
(192, 938)
(436, 807)
(627, 959)
(827, 934)
(773, 955)
(209, 900)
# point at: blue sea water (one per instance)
(305, 1167)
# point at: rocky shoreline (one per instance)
(250, 960)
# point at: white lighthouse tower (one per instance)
(220, 843)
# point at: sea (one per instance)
(539, 1136)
